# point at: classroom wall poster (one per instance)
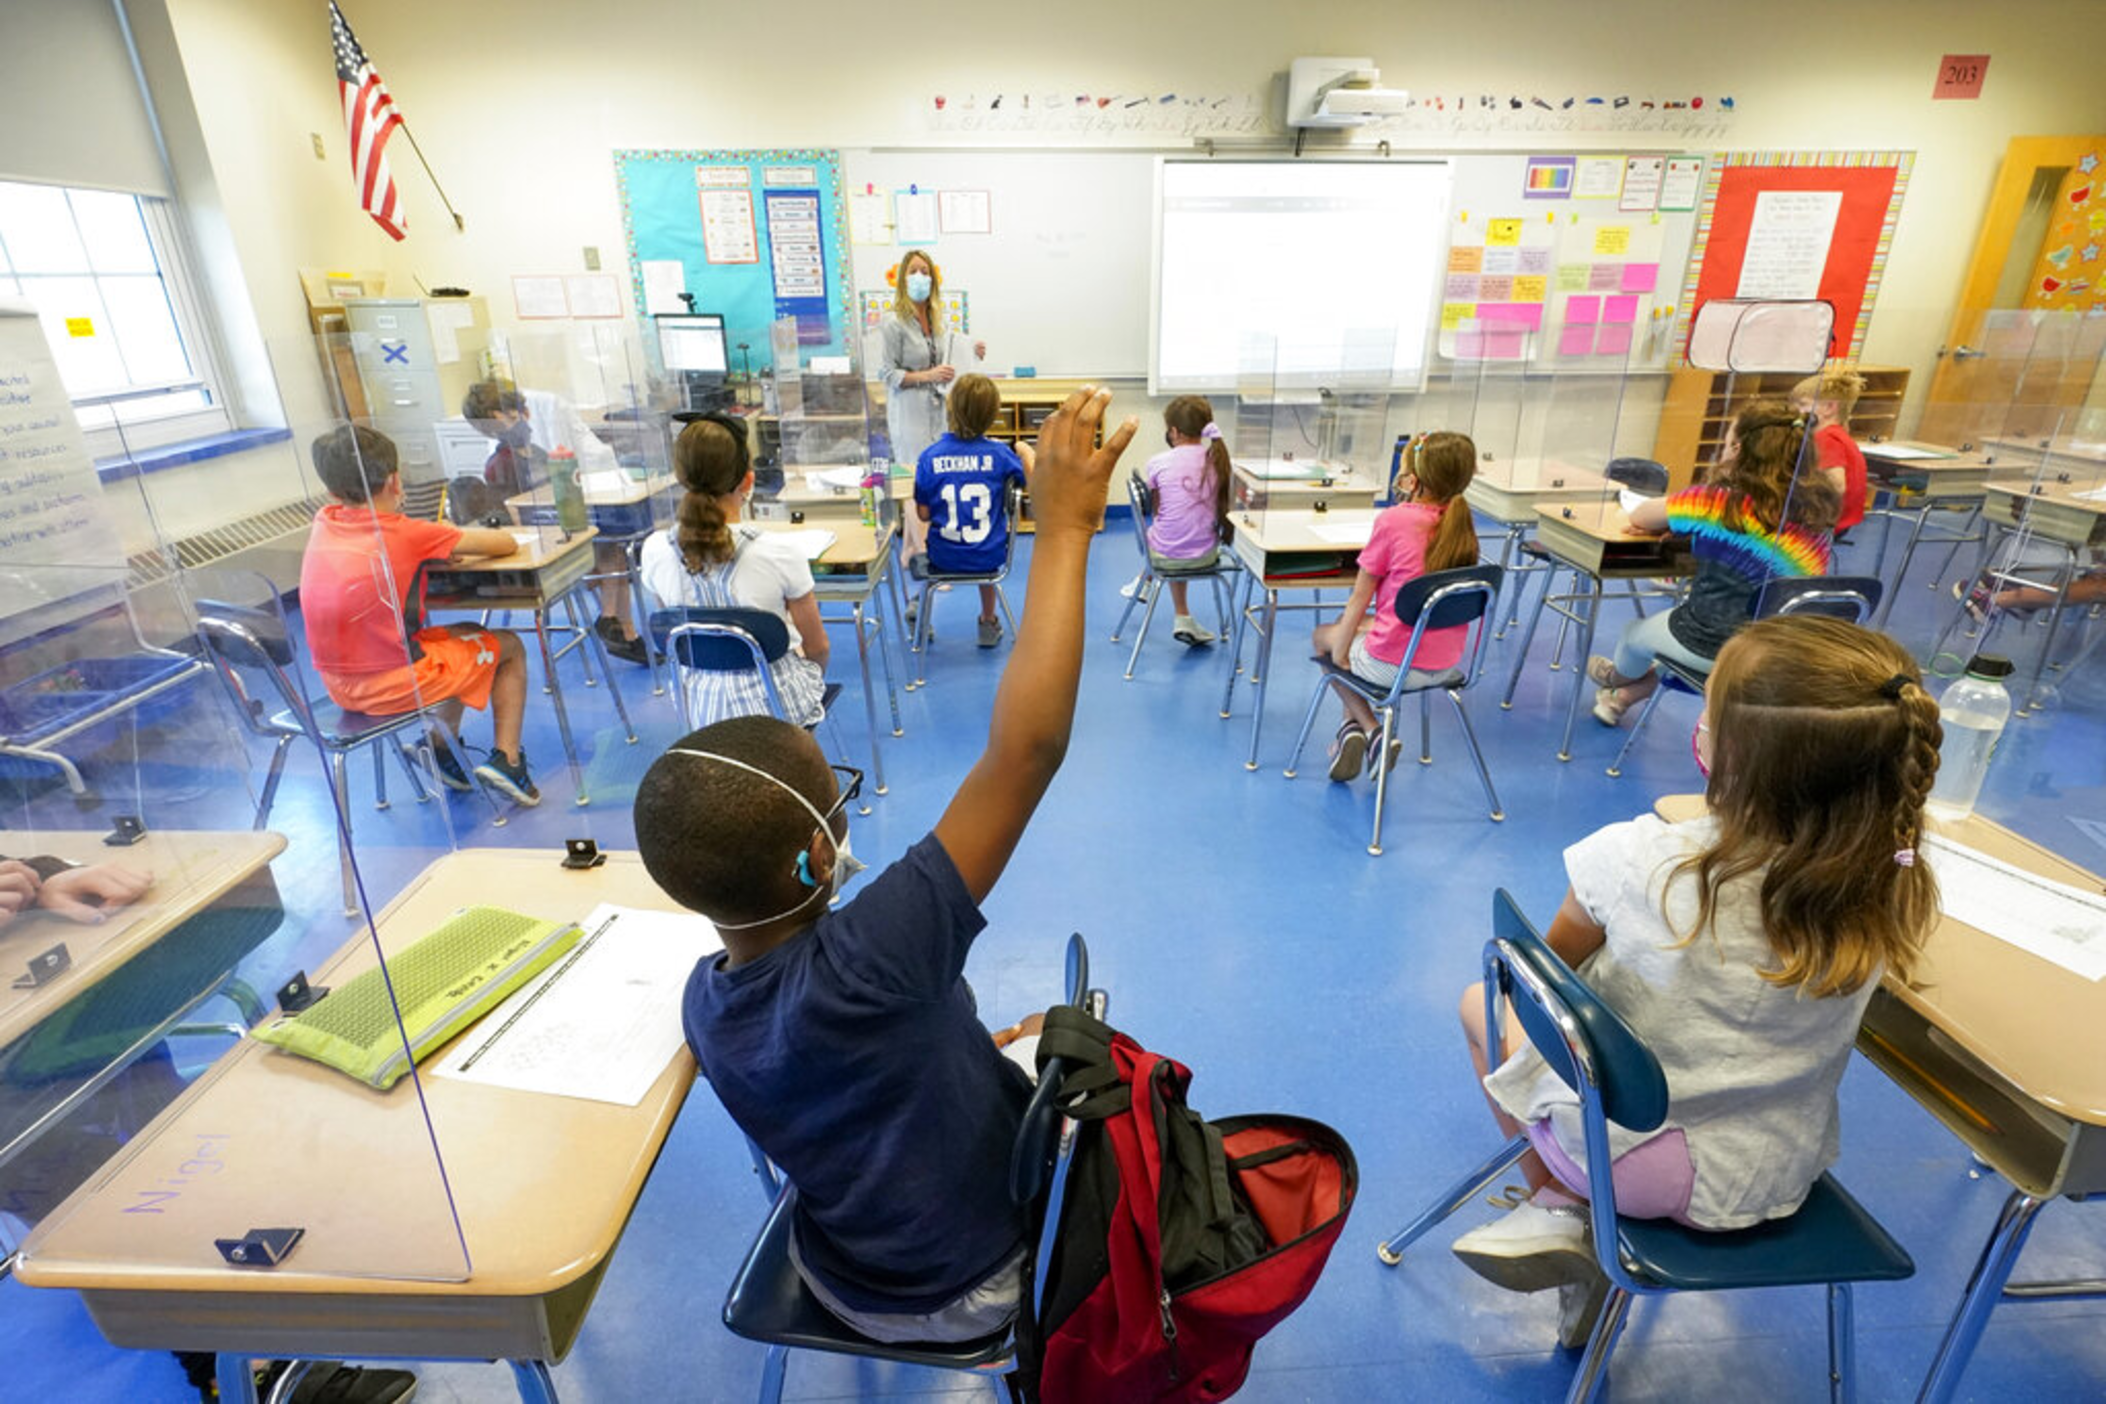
(876, 305)
(1599, 178)
(870, 217)
(797, 261)
(1870, 186)
(1787, 243)
(2070, 274)
(1548, 178)
(1603, 300)
(726, 195)
(1641, 183)
(965, 211)
(914, 216)
(1681, 183)
(1495, 287)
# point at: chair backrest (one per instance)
(1045, 1142)
(720, 640)
(1638, 474)
(1443, 599)
(1851, 597)
(425, 501)
(1142, 500)
(244, 636)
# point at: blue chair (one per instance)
(731, 640)
(1141, 500)
(1440, 600)
(1851, 597)
(769, 1302)
(238, 637)
(1831, 1239)
(932, 579)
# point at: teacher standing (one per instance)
(916, 370)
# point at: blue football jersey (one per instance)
(964, 483)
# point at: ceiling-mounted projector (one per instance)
(1339, 92)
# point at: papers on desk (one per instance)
(605, 482)
(1270, 468)
(600, 1024)
(1899, 453)
(1342, 534)
(2052, 920)
(848, 479)
(813, 541)
(2097, 494)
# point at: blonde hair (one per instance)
(1764, 478)
(1444, 464)
(973, 404)
(1838, 383)
(710, 463)
(903, 306)
(1824, 747)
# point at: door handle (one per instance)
(1967, 353)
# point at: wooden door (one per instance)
(2025, 339)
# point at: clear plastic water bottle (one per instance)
(873, 489)
(569, 493)
(1973, 712)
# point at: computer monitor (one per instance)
(694, 344)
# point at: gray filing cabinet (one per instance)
(417, 357)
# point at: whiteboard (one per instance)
(1062, 283)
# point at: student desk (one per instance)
(542, 1186)
(536, 577)
(820, 503)
(2051, 513)
(1287, 550)
(93, 1019)
(2008, 1051)
(624, 509)
(1509, 491)
(1595, 540)
(1952, 482)
(850, 572)
(1334, 485)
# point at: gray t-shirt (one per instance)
(1752, 1067)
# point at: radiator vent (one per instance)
(222, 542)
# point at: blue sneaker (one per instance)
(448, 768)
(509, 778)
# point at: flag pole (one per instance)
(457, 222)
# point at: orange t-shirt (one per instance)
(354, 583)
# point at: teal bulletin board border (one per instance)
(662, 219)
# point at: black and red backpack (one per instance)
(1181, 1241)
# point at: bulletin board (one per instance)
(759, 235)
(1797, 224)
(1557, 284)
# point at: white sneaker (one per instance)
(1191, 632)
(1126, 591)
(1579, 1308)
(1531, 1247)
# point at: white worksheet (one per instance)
(602, 1022)
(2052, 920)
(1899, 453)
(1350, 534)
(813, 541)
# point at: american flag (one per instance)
(370, 119)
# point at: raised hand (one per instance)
(1072, 474)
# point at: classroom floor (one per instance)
(1239, 925)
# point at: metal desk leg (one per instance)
(1528, 636)
(641, 622)
(1984, 1288)
(2029, 702)
(1236, 632)
(877, 759)
(536, 1385)
(596, 644)
(1261, 664)
(1579, 669)
(237, 1378)
(555, 692)
(1908, 552)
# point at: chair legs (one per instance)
(1456, 1196)
(269, 796)
(771, 1374)
(1141, 585)
(1593, 1370)
(1154, 587)
(339, 781)
(1379, 748)
(1842, 1345)
(1645, 714)
(1484, 774)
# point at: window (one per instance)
(101, 270)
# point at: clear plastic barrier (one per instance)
(180, 847)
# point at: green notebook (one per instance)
(443, 983)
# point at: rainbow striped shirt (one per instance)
(1732, 564)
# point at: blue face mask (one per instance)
(919, 286)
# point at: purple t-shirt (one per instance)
(1184, 526)
(852, 1054)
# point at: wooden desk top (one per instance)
(1521, 475)
(542, 1185)
(191, 871)
(2073, 450)
(631, 489)
(2033, 1023)
(538, 547)
(1604, 521)
(798, 486)
(2062, 495)
(1294, 529)
(855, 546)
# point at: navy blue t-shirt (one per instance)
(853, 1056)
(965, 484)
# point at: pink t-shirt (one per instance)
(1184, 526)
(1395, 555)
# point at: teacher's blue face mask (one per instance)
(919, 286)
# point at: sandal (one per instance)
(1389, 761)
(1609, 708)
(1602, 672)
(1348, 751)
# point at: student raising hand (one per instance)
(1071, 475)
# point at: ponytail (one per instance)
(1444, 465)
(1454, 541)
(709, 458)
(1220, 471)
(1193, 417)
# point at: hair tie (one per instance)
(1212, 431)
(1891, 688)
(1905, 857)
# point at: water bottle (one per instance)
(570, 495)
(874, 486)
(1973, 712)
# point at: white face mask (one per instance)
(846, 864)
(918, 286)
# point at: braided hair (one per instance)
(1824, 747)
(709, 458)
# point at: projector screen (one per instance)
(1323, 257)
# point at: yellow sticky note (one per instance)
(1614, 239)
(1530, 288)
(80, 326)
(1502, 231)
(1572, 277)
(1466, 258)
(1454, 314)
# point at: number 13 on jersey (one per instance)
(975, 500)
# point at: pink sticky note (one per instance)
(1640, 277)
(1528, 315)
(1622, 310)
(1582, 309)
(1604, 277)
(1495, 287)
(1502, 344)
(1614, 340)
(1461, 287)
(1534, 260)
(1469, 343)
(1576, 340)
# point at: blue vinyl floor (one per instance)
(1239, 925)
